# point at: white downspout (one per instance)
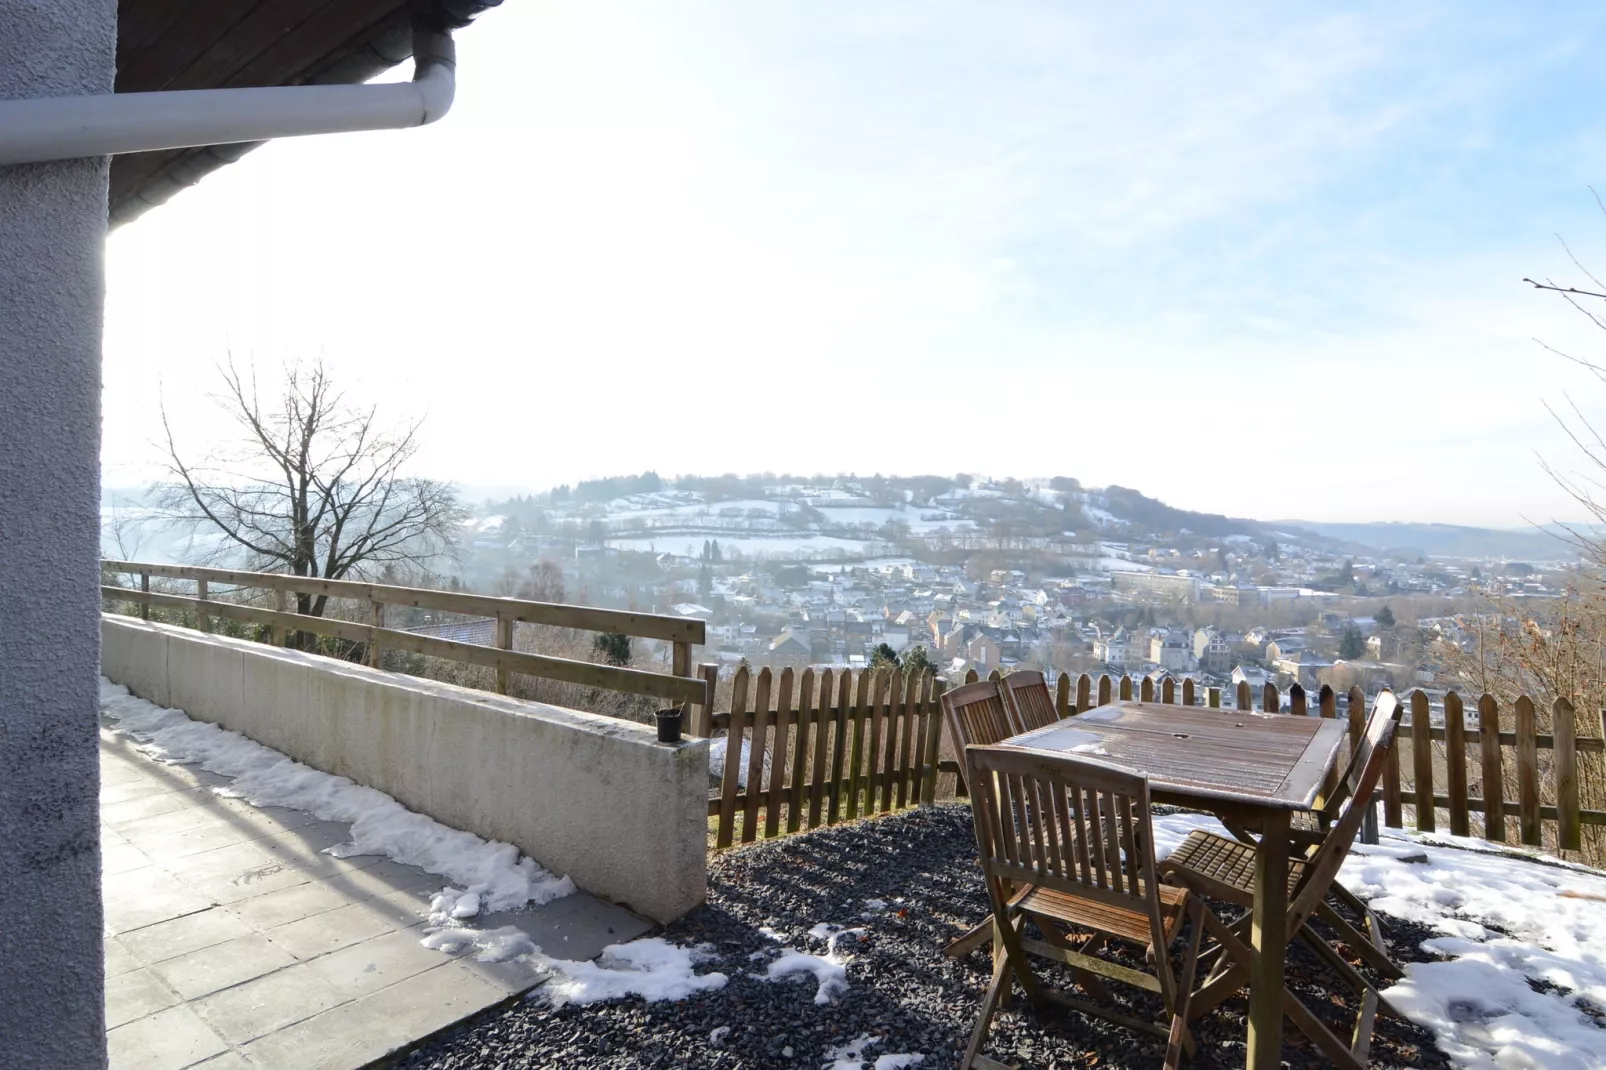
(63, 128)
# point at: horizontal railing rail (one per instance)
(681, 686)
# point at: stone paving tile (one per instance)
(136, 994)
(190, 817)
(268, 877)
(221, 966)
(377, 963)
(330, 931)
(265, 912)
(123, 813)
(433, 999)
(172, 846)
(121, 857)
(256, 1008)
(167, 1040)
(170, 939)
(146, 896)
(343, 1037)
(119, 960)
(227, 1061)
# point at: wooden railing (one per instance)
(682, 685)
(1508, 762)
(823, 747)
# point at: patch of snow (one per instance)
(875, 906)
(830, 969)
(653, 969)
(718, 1034)
(490, 945)
(1505, 923)
(495, 875)
(716, 760)
(769, 933)
(851, 1056)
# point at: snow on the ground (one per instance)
(851, 1056)
(716, 760)
(829, 970)
(652, 968)
(493, 876)
(1522, 981)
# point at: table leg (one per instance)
(1268, 944)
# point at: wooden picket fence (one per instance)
(830, 746)
(823, 747)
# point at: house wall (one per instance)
(593, 797)
(52, 228)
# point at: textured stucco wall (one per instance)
(52, 229)
(592, 797)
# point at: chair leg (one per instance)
(1181, 1038)
(1319, 1034)
(973, 938)
(1365, 946)
(989, 1004)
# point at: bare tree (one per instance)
(313, 485)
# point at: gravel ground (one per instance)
(901, 989)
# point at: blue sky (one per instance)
(1258, 259)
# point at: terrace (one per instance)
(815, 933)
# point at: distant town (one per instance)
(968, 573)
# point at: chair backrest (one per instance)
(976, 714)
(1064, 824)
(1386, 710)
(1322, 868)
(1030, 701)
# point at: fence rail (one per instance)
(682, 685)
(823, 747)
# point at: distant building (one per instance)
(1171, 650)
(1212, 651)
(1171, 586)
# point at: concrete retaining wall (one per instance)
(593, 797)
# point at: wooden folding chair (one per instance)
(1077, 837)
(975, 714)
(1031, 703)
(1230, 863)
(1224, 875)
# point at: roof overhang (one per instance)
(216, 44)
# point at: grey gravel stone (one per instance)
(902, 989)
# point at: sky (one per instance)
(1256, 259)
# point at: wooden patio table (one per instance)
(1251, 769)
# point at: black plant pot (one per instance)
(669, 726)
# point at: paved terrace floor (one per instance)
(233, 942)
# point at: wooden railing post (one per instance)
(145, 586)
(1189, 692)
(280, 605)
(202, 621)
(504, 641)
(1213, 698)
(702, 713)
(1569, 833)
(376, 621)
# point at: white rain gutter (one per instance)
(64, 128)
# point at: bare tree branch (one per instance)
(313, 486)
